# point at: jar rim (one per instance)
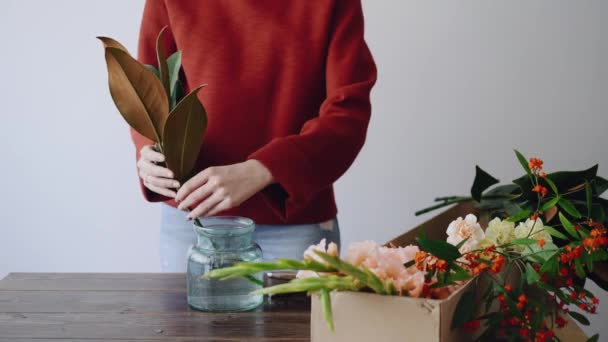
(224, 225)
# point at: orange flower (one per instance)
(535, 164)
(594, 232)
(540, 243)
(589, 243)
(522, 298)
(508, 288)
(480, 268)
(441, 265)
(541, 190)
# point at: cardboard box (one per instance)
(373, 318)
(369, 317)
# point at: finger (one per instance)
(150, 154)
(192, 184)
(162, 182)
(205, 206)
(161, 191)
(222, 206)
(154, 170)
(195, 197)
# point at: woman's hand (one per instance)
(220, 188)
(156, 178)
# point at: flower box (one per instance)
(360, 316)
(370, 317)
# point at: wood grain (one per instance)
(131, 307)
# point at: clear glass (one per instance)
(222, 242)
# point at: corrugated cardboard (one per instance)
(369, 317)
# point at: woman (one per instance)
(288, 107)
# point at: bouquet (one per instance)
(552, 259)
(152, 102)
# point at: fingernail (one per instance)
(169, 175)
(176, 185)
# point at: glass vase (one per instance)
(222, 242)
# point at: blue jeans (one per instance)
(276, 241)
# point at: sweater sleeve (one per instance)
(311, 161)
(154, 19)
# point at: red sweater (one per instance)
(288, 85)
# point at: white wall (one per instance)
(460, 83)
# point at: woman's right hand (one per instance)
(155, 177)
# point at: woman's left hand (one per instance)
(220, 188)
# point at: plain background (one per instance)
(460, 83)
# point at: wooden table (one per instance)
(142, 307)
(127, 307)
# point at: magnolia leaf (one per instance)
(520, 216)
(137, 93)
(568, 207)
(153, 70)
(600, 185)
(464, 310)
(439, 248)
(109, 42)
(580, 318)
(163, 68)
(594, 338)
(550, 213)
(183, 135)
(174, 64)
(568, 226)
(483, 180)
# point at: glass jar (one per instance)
(222, 242)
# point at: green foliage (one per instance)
(483, 180)
(464, 310)
(439, 248)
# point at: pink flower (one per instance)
(360, 252)
(310, 254)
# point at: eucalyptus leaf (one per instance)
(464, 310)
(137, 93)
(524, 162)
(568, 207)
(531, 274)
(520, 216)
(483, 180)
(162, 61)
(580, 318)
(550, 204)
(568, 226)
(183, 136)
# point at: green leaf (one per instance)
(568, 207)
(153, 70)
(580, 318)
(409, 264)
(464, 310)
(549, 204)
(524, 214)
(589, 261)
(326, 306)
(174, 64)
(365, 276)
(554, 232)
(254, 280)
(578, 268)
(523, 241)
(524, 163)
(531, 274)
(551, 266)
(483, 180)
(594, 338)
(600, 185)
(183, 135)
(552, 185)
(459, 274)
(568, 226)
(439, 248)
(162, 61)
(461, 243)
(588, 194)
